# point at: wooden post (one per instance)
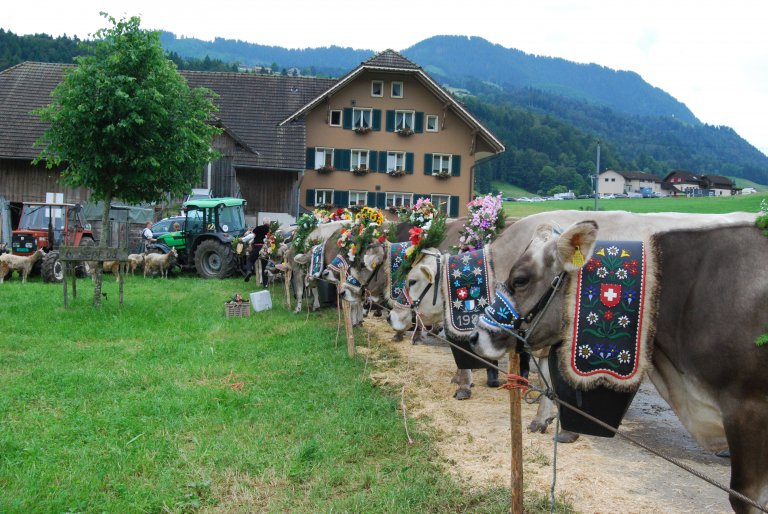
(64, 281)
(347, 308)
(516, 423)
(287, 277)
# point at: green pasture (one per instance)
(747, 203)
(166, 405)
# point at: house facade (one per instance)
(685, 183)
(618, 182)
(387, 134)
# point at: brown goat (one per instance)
(22, 264)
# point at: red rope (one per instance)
(516, 382)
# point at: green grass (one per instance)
(166, 405)
(508, 189)
(749, 203)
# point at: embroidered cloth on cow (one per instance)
(467, 291)
(608, 315)
(395, 288)
(338, 263)
(316, 262)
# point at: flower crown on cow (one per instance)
(428, 231)
(366, 228)
(305, 225)
(485, 221)
(272, 240)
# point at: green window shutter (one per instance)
(373, 160)
(347, 118)
(427, 163)
(310, 197)
(310, 158)
(371, 201)
(390, 121)
(346, 160)
(456, 165)
(418, 122)
(338, 158)
(453, 210)
(409, 163)
(383, 162)
(341, 198)
(376, 122)
(381, 200)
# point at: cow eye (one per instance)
(519, 282)
(411, 283)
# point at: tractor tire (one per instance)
(83, 268)
(214, 259)
(52, 270)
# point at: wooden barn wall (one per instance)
(20, 181)
(268, 191)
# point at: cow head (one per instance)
(420, 284)
(530, 279)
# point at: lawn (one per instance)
(166, 405)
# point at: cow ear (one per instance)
(373, 258)
(301, 258)
(426, 271)
(543, 233)
(576, 244)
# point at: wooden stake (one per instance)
(287, 276)
(516, 423)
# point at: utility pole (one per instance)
(597, 174)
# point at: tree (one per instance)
(125, 125)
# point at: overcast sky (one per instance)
(711, 55)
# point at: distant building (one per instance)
(622, 182)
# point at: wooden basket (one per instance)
(241, 309)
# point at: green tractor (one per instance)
(205, 242)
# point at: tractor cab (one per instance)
(48, 226)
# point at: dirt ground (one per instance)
(594, 474)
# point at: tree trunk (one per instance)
(106, 228)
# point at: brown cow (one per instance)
(712, 304)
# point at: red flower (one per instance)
(382, 238)
(416, 234)
(608, 315)
(593, 264)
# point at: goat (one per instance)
(160, 262)
(135, 260)
(22, 264)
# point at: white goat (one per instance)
(135, 260)
(22, 264)
(160, 262)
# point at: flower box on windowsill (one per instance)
(397, 172)
(442, 174)
(405, 132)
(394, 209)
(325, 170)
(362, 130)
(360, 170)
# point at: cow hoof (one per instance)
(376, 314)
(725, 454)
(538, 426)
(566, 437)
(397, 337)
(493, 377)
(462, 394)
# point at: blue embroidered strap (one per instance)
(338, 263)
(396, 256)
(353, 281)
(502, 312)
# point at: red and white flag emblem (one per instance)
(610, 294)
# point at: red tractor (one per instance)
(48, 226)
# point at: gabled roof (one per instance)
(638, 175)
(718, 180)
(390, 61)
(250, 108)
(685, 175)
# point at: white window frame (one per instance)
(443, 202)
(358, 158)
(436, 119)
(392, 89)
(330, 118)
(323, 157)
(398, 199)
(380, 83)
(323, 196)
(405, 119)
(392, 160)
(358, 196)
(361, 120)
(438, 161)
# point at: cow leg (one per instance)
(399, 335)
(463, 379)
(316, 299)
(546, 413)
(298, 288)
(745, 421)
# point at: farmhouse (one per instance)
(676, 183)
(385, 118)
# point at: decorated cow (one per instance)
(679, 297)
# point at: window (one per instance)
(442, 202)
(323, 197)
(323, 158)
(399, 199)
(397, 89)
(395, 161)
(441, 163)
(431, 123)
(359, 159)
(404, 119)
(335, 120)
(357, 198)
(377, 88)
(361, 118)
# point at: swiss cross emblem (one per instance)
(462, 293)
(610, 294)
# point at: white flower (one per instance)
(613, 250)
(623, 321)
(624, 356)
(602, 272)
(592, 318)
